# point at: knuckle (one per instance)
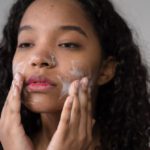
(83, 138)
(76, 110)
(84, 107)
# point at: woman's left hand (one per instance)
(74, 131)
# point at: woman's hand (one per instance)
(74, 131)
(12, 134)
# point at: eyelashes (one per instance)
(25, 45)
(64, 45)
(70, 45)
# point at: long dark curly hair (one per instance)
(122, 109)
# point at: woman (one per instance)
(77, 79)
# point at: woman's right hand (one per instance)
(12, 134)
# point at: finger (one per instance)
(65, 115)
(73, 90)
(11, 109)
(13, 102)
(83, 98)
(75, 112)
(90, 121)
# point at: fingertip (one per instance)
(18, 76)
(69, 101)
(74, 87)
(84, 83)
(18, 79)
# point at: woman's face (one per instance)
(56, 45)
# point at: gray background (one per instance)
(136, 13)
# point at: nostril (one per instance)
(33, 64)
(44, 64)
(40, 64)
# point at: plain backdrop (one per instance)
(135, 12)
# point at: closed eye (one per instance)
(25, 45)
(70, 45)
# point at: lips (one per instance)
(39, 84)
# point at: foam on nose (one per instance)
(38, 60)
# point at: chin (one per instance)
(40, 103)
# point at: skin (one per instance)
(66, 110)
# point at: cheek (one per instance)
(76, 71)
(19, 67)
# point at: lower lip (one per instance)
(39, 87)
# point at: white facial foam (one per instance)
(65, 86)
(75, 72)
(19, 67)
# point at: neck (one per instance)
(49, 126)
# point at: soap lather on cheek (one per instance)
(65, 86)
(19, 67)
(79, 73)
(74, 73)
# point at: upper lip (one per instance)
(40, 79)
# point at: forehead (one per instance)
(65, 10)
(50, 14)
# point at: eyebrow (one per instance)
(66, 28)
(74, 28)
(26, 27)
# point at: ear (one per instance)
(107, 71)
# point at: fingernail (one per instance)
(70, 101)
(17, 77)
(84, 83)
(76, 84)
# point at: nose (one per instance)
(43, 62)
